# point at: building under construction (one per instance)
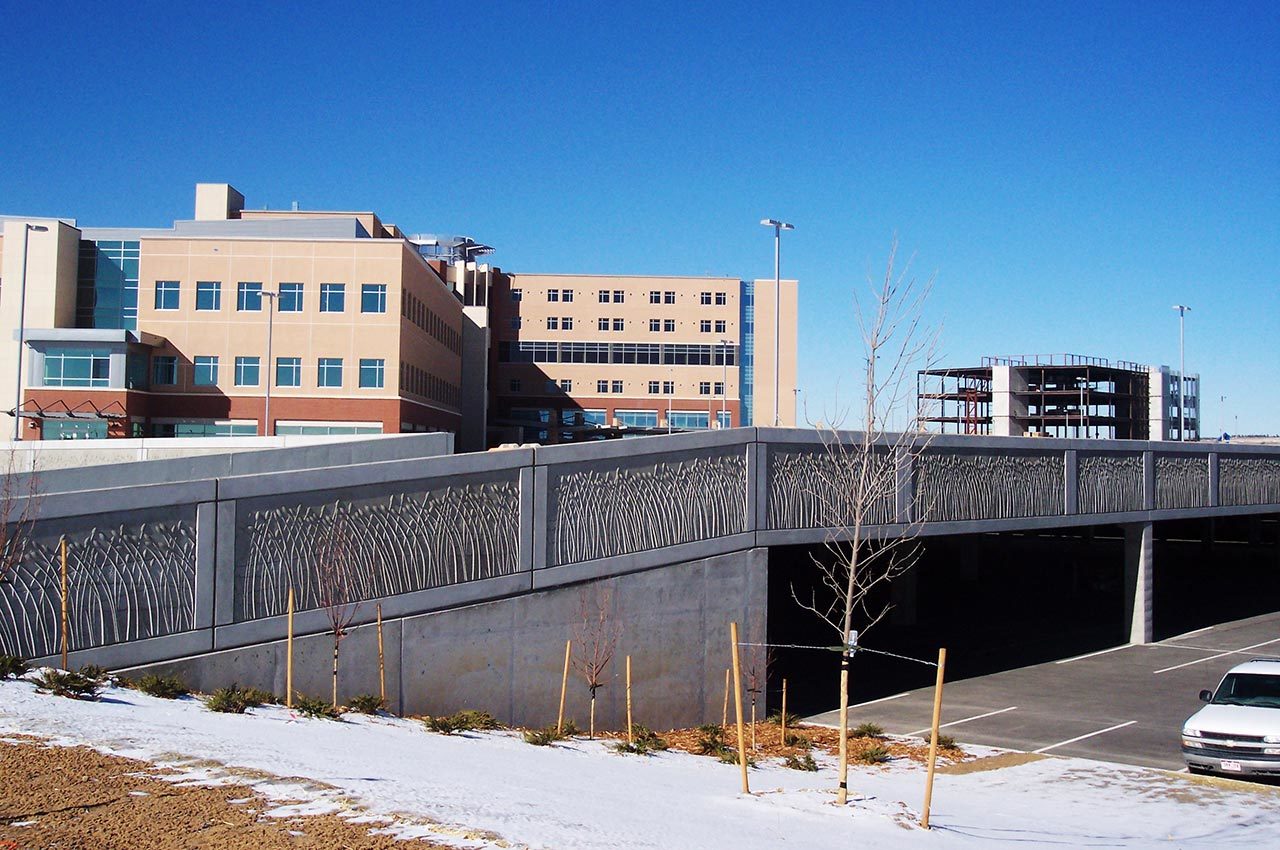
(1060, 395)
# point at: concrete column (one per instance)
(1139, 580)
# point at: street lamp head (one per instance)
(1182, 308)
(773, 222)
(37, 228)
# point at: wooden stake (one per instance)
(784, 712)
(564, 684)
(288, 664)
(754, 747)
(382, 670)
(933, 738)
(737, 705)
(724, 721)
(63, 542)
(631, 739)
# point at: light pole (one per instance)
(1182, 370)
(266, 408)
(778, 227)
(22, 315)
(724, 386)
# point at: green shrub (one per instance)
(729, 756)
(12, 665)
(643, 741)
(233, 700)
(367, 704)
(795, 739)
(66, 683)
(946, 742)
(543, 737)
(801, 762)
(101, 675)
(775, 718)
(315, 707)
(464, 721)
(874, 754)
(165, 687)
(867, 730)
(260, 697)
(711, 740)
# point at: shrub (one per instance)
(867, 730)
(801, 762)
(795, 739)
(233, 700)
(66, 683)
(710, 740)
(775, 718)
(101, 675)
(729, 756)
(315, 707)
(12, 665)
(260, 697)
(643, 741)
(946, 742)
(367, 704)
(165, 687)
(874, 754)
(464, 721)
(543, 737)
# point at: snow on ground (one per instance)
(493, 789)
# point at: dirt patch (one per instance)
(997, 762)
(80, 799)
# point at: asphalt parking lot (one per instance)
(1125, 704)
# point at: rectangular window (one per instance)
(290, 298)
(166, 295)
(517, 294)
(566, 295)
(668, 325)
(725, 418)
(372, 373)
(604, 296)
(553, 323)
(602, 386)
(333, 297)
(688, 421)
(593, 417)
(668, 297)
(206, 371)
(553, 295)
(615, 386)
(654, 387)
(668, 387)
(288, 371)
(602, 324)
(720, 326)
(515, 323)
(514, 385)
(655, 297)
(208, 295)
(566, 323)
(329, 372)
(655, 325)
(637, 418)
(617, 296)
(566, 386)
(704, 388)
(246, 371)
(721, 299)
(164, 370)
(373, 298)
(719, 387)
(704, 326)
(705, 299)
(248, 297)
(617, 324)
(77, 367)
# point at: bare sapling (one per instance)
(19, 505)
(595, 639)
(335, 583)
(858, 488)
(758, 660)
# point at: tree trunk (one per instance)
(335, 673)
(842, 790)
(592, 732)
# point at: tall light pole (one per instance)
(724, 385)
(266, 408)
(22, 316)
(1182, 370)
(778, 227)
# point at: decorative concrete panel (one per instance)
(396, 538)
(633, 504)
(1248, 480)
(1110, 483)
(813, 487)
(129, 576)
(1182, 481)
(966, 485)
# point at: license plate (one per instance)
(1231, 765)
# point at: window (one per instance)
(668, 387)
(288, 372)
(688, 421)
(602, 386)
(604, 296)
(725, 418)
(208, 295)
(654, 387)
(705, 298)
(373, 298)
(637, 418)
(618, 324)
(719, 387)
(617, 296)
(77, 367)
(566, 324)
(721, 299)
(324, 428)
(566, 386)
(166, 295)
(517, 294)
(248, 297)
(333, 297)
(566, 295)
(602, 324)
(720, 326)
(164, 370)
(515, 323)
(372, 373)
(705, 326)
(551, 388)
(206, 371)
(655, 325)
(553, 323)
(290, 298)
(329, 372)
(616, 386)
(553, 295)
(204, 428)
(704, 388)
(514, 385)
(668, 297)
(246, 371)
(593, 417)
(655, 297)
(668, 325)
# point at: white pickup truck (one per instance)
(1238, 732)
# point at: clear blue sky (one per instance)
(1069, 171)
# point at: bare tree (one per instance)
(857, 487)
(757, 661)
(19, 505)
(335, 582)
(595, 639)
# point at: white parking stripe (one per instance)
(882, 699)
(1082, 737)
(1241, 651)
(958, 722)
(1095, 654)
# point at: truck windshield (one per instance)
(1249, 689)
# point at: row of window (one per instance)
(289, 296)
(617, 296)
(516, 385)
(420, 382)
(664, 354)
(247, 372)
(428, 320)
